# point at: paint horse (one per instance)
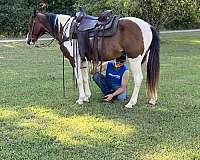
(54, 24)
(138, 39)
(134, 36)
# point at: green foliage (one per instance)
(14, 17)
(92, 7)
(170, 14)
(187, 16)
(124, 7)
(174, 13)
(119, 7)
(57, 6)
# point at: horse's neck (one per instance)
(56, 24)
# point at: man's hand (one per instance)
(108, 97)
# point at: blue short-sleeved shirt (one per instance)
(114, 75)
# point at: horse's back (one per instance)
(145, 29)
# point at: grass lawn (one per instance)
(38, 123)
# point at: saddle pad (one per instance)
(87, 23)
(108, 31)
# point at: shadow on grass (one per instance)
(39, 132)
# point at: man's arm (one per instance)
(121, 89)
(102, 67)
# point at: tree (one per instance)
(14, 18)
(92, 7)
(57, 6)
(161, 12)
(124, 7)
(118, 7)
(188, 16)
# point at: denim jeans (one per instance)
(105, 87)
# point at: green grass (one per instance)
(37, 122)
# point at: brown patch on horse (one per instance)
(132, 39)
(127, 38)
(111, 47)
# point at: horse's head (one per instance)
(36, 28)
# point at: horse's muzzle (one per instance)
(30, 42)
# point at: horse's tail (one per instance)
(153, 64)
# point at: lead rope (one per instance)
(63, 67)
(45, 44)
(63, 75)
(74, 56)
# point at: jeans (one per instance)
(105, 87)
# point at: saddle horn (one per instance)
(81, 9)
(34, 12)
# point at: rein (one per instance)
(48, 44)
(45, 44)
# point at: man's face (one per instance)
(118, 64)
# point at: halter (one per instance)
(31, 34)
(32, 28)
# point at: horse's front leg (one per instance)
(79, 77)
(84, 71)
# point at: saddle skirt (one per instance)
(94, 27)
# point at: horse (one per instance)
(53, 24)
(134, 36)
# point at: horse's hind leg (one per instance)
(153, 97)
(135, 66)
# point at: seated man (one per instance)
(114, 83)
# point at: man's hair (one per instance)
(122, 58)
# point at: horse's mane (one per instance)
(55, 20)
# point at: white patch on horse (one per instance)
(63, 19)
(69, 44)
(67, 27)
(27, 37)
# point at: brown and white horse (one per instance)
(134, 36)
(53, 24)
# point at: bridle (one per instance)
(32, 31)
(32, 28)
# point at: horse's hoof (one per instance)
(152, 102)
(86, 99)
(128, 105)
(79, 102)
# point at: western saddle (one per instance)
(86, 27)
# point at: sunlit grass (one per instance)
(4, 113)
(189, 41)
(76, 130)
(172, 153)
